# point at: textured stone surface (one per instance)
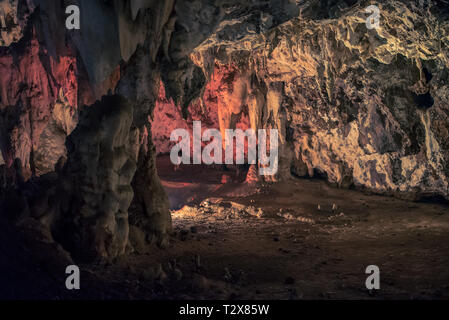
(11, 22)
(363, 107)
(96, 181)
(150, 207)
(49, 72)
(31, 88)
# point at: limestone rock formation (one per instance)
(32, 89)
(364, 107)
(48, 72)
(149, 209)
(102, 160)
(12, 22)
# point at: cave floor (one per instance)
(302, 252)
(234, 241)
(273, 242)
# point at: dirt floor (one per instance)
(290, 249)
(299, 239)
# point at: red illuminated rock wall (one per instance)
(38, 102)
(223, 105)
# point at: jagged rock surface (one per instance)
(102, 161)
(91, 217)
(362, 107)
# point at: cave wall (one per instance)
(68, 141)
(91, 151)
(38, 103)
(220, 107)
(365, 108)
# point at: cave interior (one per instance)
(353, 116)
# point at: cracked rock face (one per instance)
(33, 91)
(11, 22)
(361, 107)
(102, 161)
(48, 72)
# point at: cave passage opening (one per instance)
(191, 184)
(216, 109)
